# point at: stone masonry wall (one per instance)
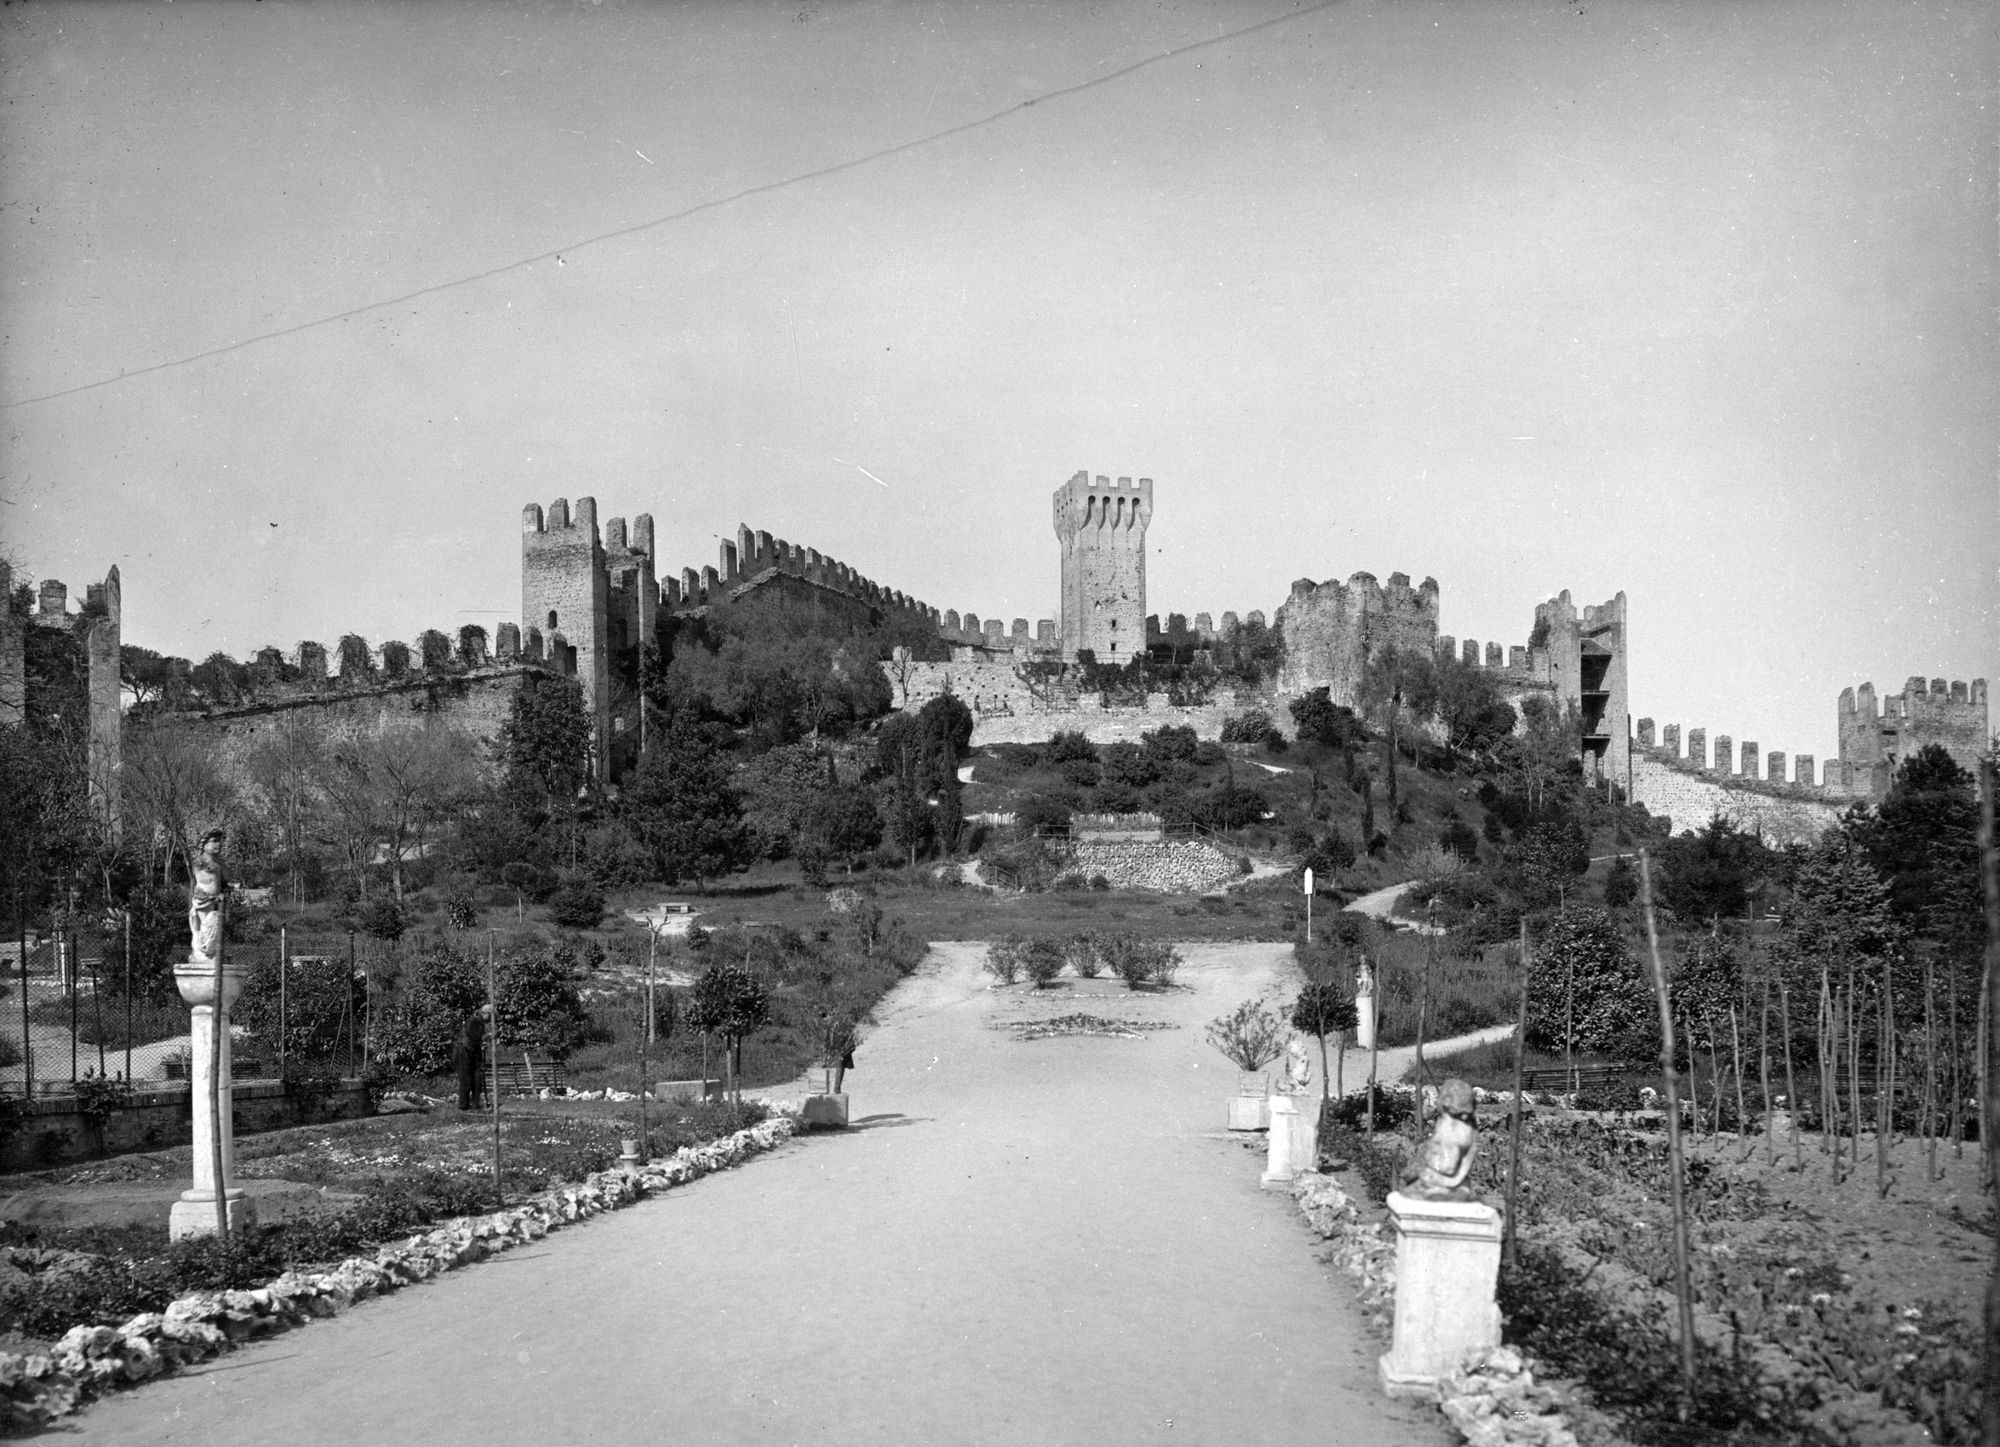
(476, 701)
(1005, 709)
(1332, 628)
(52, 1131)
(1690, 798)
(1171, 866)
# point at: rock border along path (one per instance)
(1052, 1241)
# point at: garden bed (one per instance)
(385, 1177)
(1825, 1312)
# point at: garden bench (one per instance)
(525, 1077)
(1584, 1077)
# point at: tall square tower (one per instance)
(1102, 528)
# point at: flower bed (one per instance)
(38, 1387)
(1082, 1024)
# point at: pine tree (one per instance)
(682, 807)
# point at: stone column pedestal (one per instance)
(1364, 1020)
(1447, 1272)
(194, 1213)
(1294, 1142)
(826, 1112)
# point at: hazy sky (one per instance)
(1697, 301)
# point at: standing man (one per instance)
(468, 1060)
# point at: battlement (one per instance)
(754, 557)
(1101, 525)
(1746, 766)
(1875, 737)
(95, 632)
(1524, 666)
(1332, 628)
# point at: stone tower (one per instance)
(566, 598)
(1587, 653)
(1102, 527)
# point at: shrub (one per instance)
(1251, 1036)
(381, 917)
(1171, 741)
(1080, 950)
(1004, 958)
(1137, 962)
(578, 904)
(1098, 881)
(1043, 961)
(461, 907)
(1069, 744)
(1392, 1108)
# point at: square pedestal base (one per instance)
(1249, 1112)
(1447, 1269)
(826, 1112)
(191, 1217)
(1294, 1143)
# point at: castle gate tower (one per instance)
(1102, 527)
(566, 596)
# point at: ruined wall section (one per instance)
(1587, 657)
(566, 594)
(1332, 629)
(96, 632)
(1012, 705)
(1875, 739)
(1101, 526)
(757, 560)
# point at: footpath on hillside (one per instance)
(1043, 1241)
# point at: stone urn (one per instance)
(1250, 1107)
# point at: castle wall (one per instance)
(477, 701)
(565, 592)
(1006, 708)
(1875, 739)
(1331, 630)
(1691, 797)
(97, 631)
(1102, 528)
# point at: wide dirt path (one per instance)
(1036, 1242)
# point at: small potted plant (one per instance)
(837, 1029)
(1252, 1036)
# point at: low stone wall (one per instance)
(1171, 866)
(51, 1131)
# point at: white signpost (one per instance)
(1309, 904)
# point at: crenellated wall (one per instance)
(1331, 630)
(1876, 738)
(1747, 787)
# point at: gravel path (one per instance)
(1045, 1242)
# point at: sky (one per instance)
(299, 305)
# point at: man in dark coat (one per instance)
(468, 1060)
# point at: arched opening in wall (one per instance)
(552, 620)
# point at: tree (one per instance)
(1322, 1010)
(1707, 981)
(1923, 841)
(1395, 680)
(545, 755)
(1544, 863)
(173, 790)
(1710, 875)
(731, 1002)
(1621, 884)
(1317, 718)
(682, 807)
(536, 999)
(1584, 990)
(438, 990)
(1469, 705)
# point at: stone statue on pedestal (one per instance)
(205, 903)
(1443, 1166)
(1298, 1066)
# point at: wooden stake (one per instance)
(1885, 1081)
(493, 1058)
(1736, 1068)
(1514, 1140)
(1989, 1003)
(1930, 1120)
(1791, 1094)
(1683, 1290)
(1764, 1074)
